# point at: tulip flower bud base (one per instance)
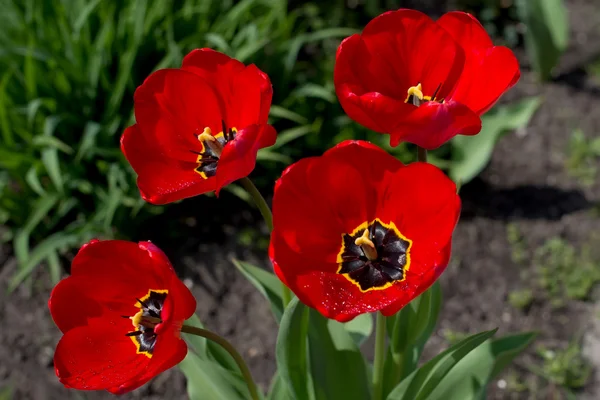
(374, 256)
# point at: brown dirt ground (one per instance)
(526, 184)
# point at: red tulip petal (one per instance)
(363, 71)
(475, 88)
(172, 107)
(337, 298)
(373, 110)
(98, 356)
(249, 98)
(246, 91)
(433, 124)
(70, 307)
(114, 272)
(339, 187)
(167, 354)
(374, 163)
(239, 156)
(418, 50)
(206, 62)
(424, 205)
(465, 30)
(184, 303)
(422, 280)
(298, 215)
(161, 179)
(361, 95)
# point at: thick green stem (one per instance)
(231, 350)
(259, 200)
(421, 154)
(379, 360)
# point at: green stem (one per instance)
(259, 200)
(379, 360)
(403, 365)
(231, 350)
(421, 154)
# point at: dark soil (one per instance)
(526, 184)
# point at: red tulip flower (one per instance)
(356, 231)
(198, 127)
(419, 80)
(121, 313)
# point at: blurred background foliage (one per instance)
(68, 70)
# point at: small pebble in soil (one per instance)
(253, 352)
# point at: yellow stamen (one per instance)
(417, 93)
(137, 318)
(209, 140)
(367, 245)
(140, 320)
(206, 135)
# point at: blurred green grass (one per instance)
(68, 70)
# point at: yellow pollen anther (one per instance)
(140, 320)
(206, 135)
(208, 139)
(417, 93)
(367, 245)
(137, 318)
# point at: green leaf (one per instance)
(300, 40)
(42, 251)
(51, 141)
(50, 161)
(337, 366)
(415, 322)
(267, 284)
(291, 351)
(316, 91)
(284, 113)
(360, 328)
(7, 134)
(422, 382)
(278, 389)
(291, 134)
(547, 34)
(469, 379)
(54, 266)
(88, 140)
(39, 211)
(267, 155)
(208, 380)
(408, 331)
(33, 180)
(217, 42)
(470, 154)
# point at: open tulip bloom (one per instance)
(121, 312)
(198, 127)
(422, 81)
(354, 231)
